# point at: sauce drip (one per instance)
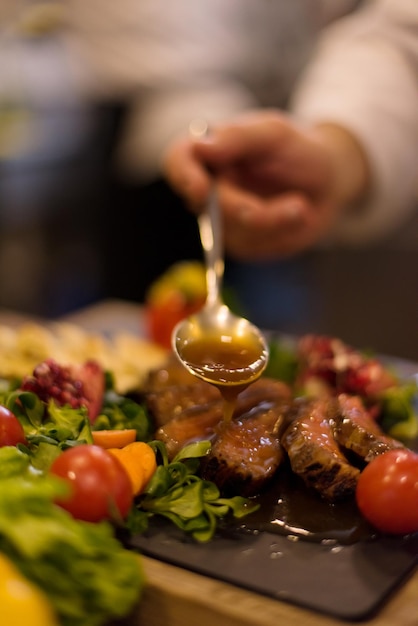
(229, 362)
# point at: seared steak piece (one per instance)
(198, 416)
(246, 452)
(196, 423)
(172, 390)
(356, 430)
(173, 373)
(173, 401)
(313, 452)
(262, 391)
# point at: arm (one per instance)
(364, 79)
(341, 168)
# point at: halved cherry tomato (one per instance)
(114, 438)
(100, 486)
(387, 492)
(11, 430)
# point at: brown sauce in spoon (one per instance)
(230, 362)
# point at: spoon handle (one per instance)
(210, 228)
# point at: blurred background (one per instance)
(89, 94)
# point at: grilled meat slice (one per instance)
(174, 401)
(173, 373)
(199, 416)
(263, 390)
(313, 452)
(355, 430)
(246, 452)
(196, 423)
(171, 391)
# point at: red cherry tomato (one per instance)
(11, 430)
(387, 492)
(100, 486)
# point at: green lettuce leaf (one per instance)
(86, 573)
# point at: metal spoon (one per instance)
(214, 344)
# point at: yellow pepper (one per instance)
(138, 459)
(21, 602)
(185, 277)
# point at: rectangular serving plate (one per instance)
(347, 582)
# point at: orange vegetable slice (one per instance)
(114, 438)
(138, 459)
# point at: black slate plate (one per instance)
(348, 582)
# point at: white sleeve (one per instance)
(177, 59)
(160, 117)
(365, 78)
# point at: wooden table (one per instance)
(177, 597)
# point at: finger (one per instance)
(287, 240)
(276, 230)
(248, 136)
(250, 211)
(186, 174)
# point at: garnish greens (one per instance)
(119, 412)
(282, 364)
(175, 492)
(50, 428)
(178, 494)
(398, 417)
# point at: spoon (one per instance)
(214, 344)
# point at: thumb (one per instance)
(251, 135)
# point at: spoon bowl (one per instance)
(221, 348)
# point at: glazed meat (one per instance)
(168, 403)
(171, 391)
(196, 423)
(313, 452)
(195, 417)
(263, 391)
(326, 441)
(246, 452)
(172, 374)
(355, 430)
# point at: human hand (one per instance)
(281, 187)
